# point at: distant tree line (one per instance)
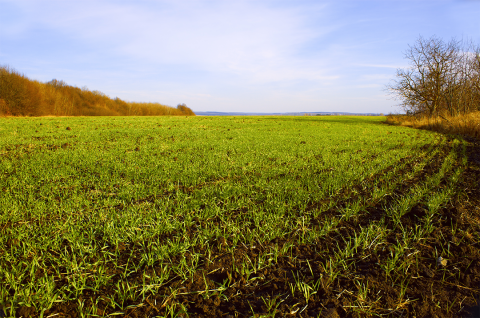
(443, 78)
(20, 96)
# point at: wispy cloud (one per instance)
(394, 66)
(258, 41)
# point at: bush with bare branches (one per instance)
(20, 96)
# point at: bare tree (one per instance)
(421, 86)
(443, 78)
(474, 78)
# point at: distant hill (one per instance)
(200, 113)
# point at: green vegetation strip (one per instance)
(105, 215)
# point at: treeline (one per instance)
(443, 79)
(21, 96)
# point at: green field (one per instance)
(240, 216)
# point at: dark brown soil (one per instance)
(433, 290)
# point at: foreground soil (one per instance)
(434, 289)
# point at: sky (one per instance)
(230, 55)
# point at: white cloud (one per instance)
(394, 66)
(256, 41)
(376, 77)
(369, 86)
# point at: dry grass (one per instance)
(465, 125)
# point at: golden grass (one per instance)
(465, 125)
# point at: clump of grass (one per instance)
(465, 125)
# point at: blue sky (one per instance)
(244, 56)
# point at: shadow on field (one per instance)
(472, 311)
